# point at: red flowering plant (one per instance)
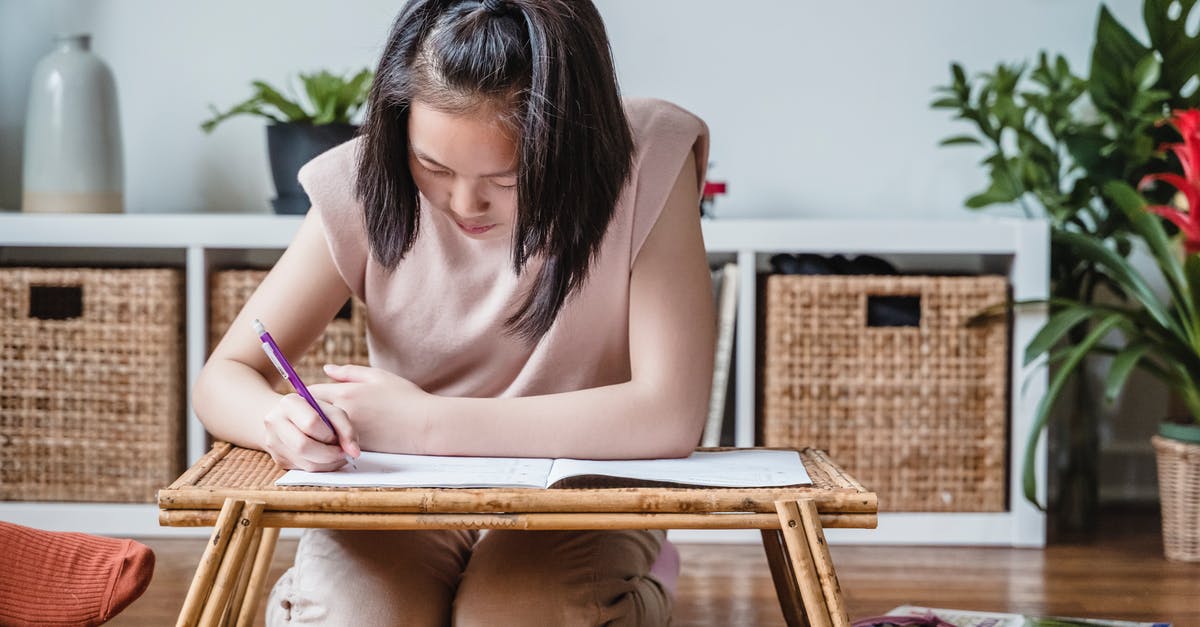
(1158, 335)
(1188, 152)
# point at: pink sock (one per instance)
(666, 567)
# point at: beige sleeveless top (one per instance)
(438, 318)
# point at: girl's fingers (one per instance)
(346, 435)
(328, 395)
(292, 447)
(305, 418)
(313, 451)
(288, 459)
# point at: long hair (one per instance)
(547, 67)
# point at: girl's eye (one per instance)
(505, 184)
(434, 171)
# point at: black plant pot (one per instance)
(291, 145)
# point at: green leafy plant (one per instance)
(1055, 139)
(1055, 142)
(1161, 336)
(331, 99)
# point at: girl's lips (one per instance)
(475, 230)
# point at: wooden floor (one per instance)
(1118, 573)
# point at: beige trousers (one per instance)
(457, 577)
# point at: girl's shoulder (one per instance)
(664, 134)
(655, 119)
(329, 178)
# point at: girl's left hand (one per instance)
(387, 410)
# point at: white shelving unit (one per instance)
(1018, 249)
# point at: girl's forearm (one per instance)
(231, 399)
(622, 421)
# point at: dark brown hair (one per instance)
(546, 64)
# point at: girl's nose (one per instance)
(466, 201)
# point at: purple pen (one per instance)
(285, 369)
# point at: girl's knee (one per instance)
(370, 578)
(560, 578)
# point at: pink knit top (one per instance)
(438, 318)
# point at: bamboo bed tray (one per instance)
(233, 489)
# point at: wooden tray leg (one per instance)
(214, 553)
(804, 551)
(227, 574)
(258, 577)
(824, 562)
(234, 607)
(786, 588)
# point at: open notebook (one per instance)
(740, 468)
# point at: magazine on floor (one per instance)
(965, 618)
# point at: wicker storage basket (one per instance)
(1179, 491)
(917, 413)
(344, 341)
(91, 383)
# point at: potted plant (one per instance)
(1159, 335)
(1054, 140)
(300, 130)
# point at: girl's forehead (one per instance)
(482, 120)
(476, 140)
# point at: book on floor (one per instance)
(744, 468)
(965, 618)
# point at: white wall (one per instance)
(815, 108)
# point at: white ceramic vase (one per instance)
(73, 160)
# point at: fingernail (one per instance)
(330, 367)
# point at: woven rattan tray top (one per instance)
(228, 471)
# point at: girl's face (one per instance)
(465, 164)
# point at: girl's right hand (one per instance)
(297, 438)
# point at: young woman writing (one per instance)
(528, 248)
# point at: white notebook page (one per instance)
(395, 470)
(750, 468)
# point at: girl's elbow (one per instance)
(680, 452)
(200, 396)
(686, 437)
(678, 416)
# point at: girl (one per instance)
(528, 247)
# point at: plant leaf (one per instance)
(354, 93)
(1028, 475)
(1115, 55)
(322, 89)
(1146, 73)
(1150, 228)
(253, 106)
(1087, 248)
(1191, 270)
(960, 140)
(1084, 144)
(991, 196)
(1122, 365)
(271, 96)
(1055, 328)
(960, 77)
(1180, 51)
(948, 102)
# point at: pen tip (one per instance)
(258, 327)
